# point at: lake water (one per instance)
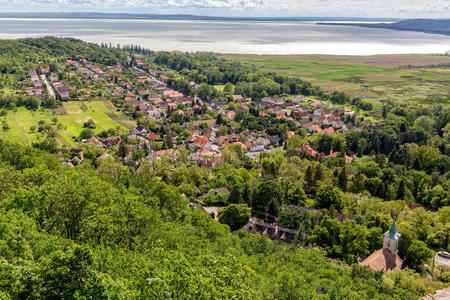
(252, 37)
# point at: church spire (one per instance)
(393, 230)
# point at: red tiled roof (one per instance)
(238, 97)
(163, 152)
(290, 134)
(349, 159)
(153, 136)
(383, 260)
(333, 154)
(243, 146)
(201, 141)
(308, 150)
(173, 94)
(329, 130)
(231, 115)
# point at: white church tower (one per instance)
(391, 238)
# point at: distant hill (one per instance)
(438, 26)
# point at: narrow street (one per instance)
(442, 261)
(50, 89)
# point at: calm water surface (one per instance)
(251, 37)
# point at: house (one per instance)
(315, 128)
(289, 105)
(340, 109)
(333, 154)
(231, 115)
(202, 142)
(243, 146)
(328, 130)
(338, 124)
(238, 98)
(300, 99)
(194, 85)
(75, 152)
(273, 139)
(308, 150)
(153, 136)
(153, 113)
(112, 141)
(217, 105)
(256, 146)
(316, 104)
(347, 127)
(272, 231)
(164, 152)
(349, 159)
(271, 100)
(141, 130)
(318, 119)
(173, 94)
(220, 141)
(318, 112)
(63, 92)
(328, 121)
(96, 141)
(386, 259)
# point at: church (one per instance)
(386, 259)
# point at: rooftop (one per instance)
(383, 260)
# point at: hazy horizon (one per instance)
(242, 8)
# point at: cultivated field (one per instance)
(400, 78)
(71, 117)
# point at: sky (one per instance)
(247, 8)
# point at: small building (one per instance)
(386, 259)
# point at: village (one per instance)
(203, 136)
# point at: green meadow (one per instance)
(20, 121)
(376, 78)
(70, 118)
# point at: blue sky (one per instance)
(276, 8)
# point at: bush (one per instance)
(86, 134)
(89, 124)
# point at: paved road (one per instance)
(442, 261)
(50, 89)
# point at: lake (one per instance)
(244, 37)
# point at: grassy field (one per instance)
(379, 77)
(20, 123)
(71, 115)
(75, 116)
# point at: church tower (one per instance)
(391, 238)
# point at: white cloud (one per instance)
(302, 8)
